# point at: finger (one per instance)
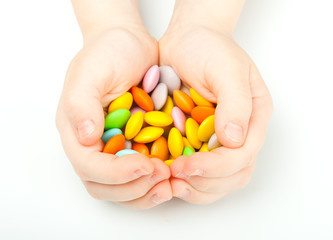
(183, 190)
(234, 106)
(91, 164)
(221, 185)
(131, 190)
(160, 193)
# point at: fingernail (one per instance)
(155, 178)
(234, 132)
(157, 199)
(197, 172)
(182, 175)
(140, 172)
(86, 128)
(183, 194)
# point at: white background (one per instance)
(290, 194)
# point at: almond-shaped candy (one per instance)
(179, 119)
(213, 142)
(170, 78)
(150, 79)
(159, 96)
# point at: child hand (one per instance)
(109, 64)
(212, 63)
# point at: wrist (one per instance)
(218, 15)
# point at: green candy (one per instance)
(117, 119)
(188, 151)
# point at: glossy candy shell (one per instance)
(213, 142)
(183, 101)
(160, 148)
(148, 134)
(141, 148)
(142, 99)
(125, 101)
(125, 152)
(115, 144)
(158, 119)
(117, 119)
(206, 129)
(134, 125)
(199, 100)
(188, 151)
(200, 113)
(150, 79)
(110, 133)
(175, 142)
(179, 119)
(170, 78)
(192, 133)
(168, 106)
(159, 96)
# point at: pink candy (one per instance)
(179, 119)
(151, 78)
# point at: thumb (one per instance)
(234, 106)
(85, 113)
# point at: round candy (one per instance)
(158, 119)
(206, 129)
(117, 119)
(134, 125)
(123, 102)
(175, 142)
(204, 148)
(142, 99)
(187, 143)
(200, 113)
(148, 134)
(110, 133)
(115, 144)
(168, 106)
(141, 148)
(159, 96)
(170, 78)
(183, 101)
(179, 119)
(198, 100)
(125, 152)
(192, 127)
(213, 142)
(150, 79)
(188, 151)
(160, 148)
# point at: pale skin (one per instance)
(199, 46)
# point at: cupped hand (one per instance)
(108, 65)
(219, 70)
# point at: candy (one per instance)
(183, 101)
(160, 148)
(188, 151)
(163, 122)
(168, 106)
(175, 142)
(213, 142)
(148, 134)
(179, 119)
(110, 133)
(159, 96)
(123, 102)
(206, 129)
(150, 79)
(115, 144)
(142, 99)
(200, 113)
(125, 152)
(141, 148)
(134, 125)
(192, 127)
(158, 119)
(117, 119)
(198, 100)
(170, 78)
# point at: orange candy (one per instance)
(160, 148)
(141, 148)
(142, 99)
(115, 144)
(183, 101)
(200, 113)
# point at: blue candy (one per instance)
(125, 152)
(110, 133)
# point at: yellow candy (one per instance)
(204, 148)
(198, 100)
(158, 119)
(148, 134)
(134, 125)
(191, 129)
(123, 102)
(206, 129)
(175, 142)
(168, 106)
(187, 143)
(168, 162)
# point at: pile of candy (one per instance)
(153, 125)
